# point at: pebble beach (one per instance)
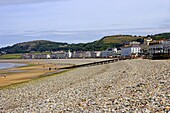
(130, 86)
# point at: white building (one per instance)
(132, 49)
(27, 56)
(42, 56)
(159, 47)
(88, 54)
(61, 55)
(36, 56)
(77, 54)
(97, 54)
(69, 54)
(84, 54)
(109, 53)
(58, 55)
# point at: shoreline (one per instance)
(12, 65)
(37, 68)
(32, 80)
(32, 70)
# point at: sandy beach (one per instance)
(36, 68)
(25, 73)
(126, 86)
(56, 61)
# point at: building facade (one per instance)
(159, 47)
(132, 49)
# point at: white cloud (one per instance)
(11, 2)
(83, 20)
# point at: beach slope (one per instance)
(130, 85)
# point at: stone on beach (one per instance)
(131, 85)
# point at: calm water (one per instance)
(10, 65)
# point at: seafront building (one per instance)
(109, 53)
(42, 56)
(148, 49)
(36, 56)
(84, 54)
(155, 49)
(97, 54)
(159, 47)
(27, 56)
(61, 55)
(133, 48)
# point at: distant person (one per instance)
(50, 69)
(5, 75)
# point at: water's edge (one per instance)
(10, 65)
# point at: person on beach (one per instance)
(5, 75)
(50, 69)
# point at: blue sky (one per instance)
(75, 21)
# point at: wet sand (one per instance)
(26, 73)
(36, 68)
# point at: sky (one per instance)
(78, 21)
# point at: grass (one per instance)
(11, 56)
(40, 52)
(119, 39)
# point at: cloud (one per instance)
(80, 33)
(11, 37)
(12, 2)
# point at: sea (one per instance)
(10, 65)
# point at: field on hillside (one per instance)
(11, 56)
(120, 39)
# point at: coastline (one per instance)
(36, 68)
(25, 73)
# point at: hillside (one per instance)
(118, 39)
(102, 44)
(35, 46)
(161, 36)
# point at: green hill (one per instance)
(102, 44)
(35, 46)
(164, 36)
(118, 39)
